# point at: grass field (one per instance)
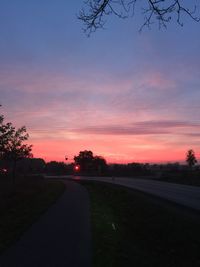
(21, 204)
(134, 229)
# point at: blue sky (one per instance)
(126, 95)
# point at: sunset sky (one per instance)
(125, 95)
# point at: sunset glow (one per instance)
(126, 96)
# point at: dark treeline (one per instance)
(36, 166)
(25, 166)
(97, 166)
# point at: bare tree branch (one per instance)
(162, 11)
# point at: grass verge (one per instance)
(129, 229)
(22, 204)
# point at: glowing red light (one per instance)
(4, 170)
(77, 168)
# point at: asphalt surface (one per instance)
(60, 238)
(186, 195)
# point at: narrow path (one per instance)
(60, 238)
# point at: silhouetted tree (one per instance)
(54, 167)
(6, 131)
(36, 165)
(95, 11)
(84, 159)
(12, 147)
(190, 158)
(31, 165)
(99, 164)
(90, 163)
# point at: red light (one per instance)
(77, 168)
(4, 170)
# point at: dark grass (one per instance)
(148, 232)
(21, 204)
(186, 178)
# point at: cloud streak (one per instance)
(143, 128)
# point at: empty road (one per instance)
(186, 195)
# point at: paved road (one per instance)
(60, 238)
(186, 195)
